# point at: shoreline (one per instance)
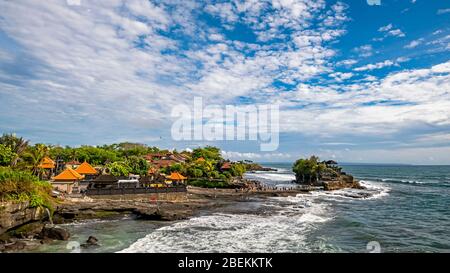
(169, 208)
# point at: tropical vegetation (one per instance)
(203, 165)
(22, 186)
(311, 170)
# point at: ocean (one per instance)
(407, 210)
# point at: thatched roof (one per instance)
(68, 175)
(86, 168)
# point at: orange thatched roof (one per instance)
(200, 159)
(47, 163)
(68, 174)
(85, 168)
(176, 176)
(151, 170)
(226, 166)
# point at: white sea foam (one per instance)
(378, 190)
(284, 230)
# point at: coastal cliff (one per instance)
(16, 214)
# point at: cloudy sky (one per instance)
(355, 82)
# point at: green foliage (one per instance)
(208, 153)
(34, 156)
(237, 169)
(308, 170)
(205, 183)
(18, 145)
(119, 168)
(101, 155)
(137, 165)
(195, 172)
(6, 155)
(21, 186)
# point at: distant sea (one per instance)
(408, 210)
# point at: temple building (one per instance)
(48, 165)
(73, 164)
(176, 178)
(68, 181)
(226, 166)
(87, 170)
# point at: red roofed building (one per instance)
(225, 166)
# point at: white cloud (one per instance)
(414, 43)
(364, 50)
(347, 63)
(383, 64)
(385, 28)
(382, 108)
(443, 11)
(340, 76)
(389, 30)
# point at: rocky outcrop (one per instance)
(342, 182)
(54, 233)
(90, 242)
(16, 214)
(27, 231)
(256, 167)
(165, 211)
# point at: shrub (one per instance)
(205, 183)
(22, 186)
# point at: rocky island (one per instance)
(327, 174)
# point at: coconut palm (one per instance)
(18, 145)
(34, 158)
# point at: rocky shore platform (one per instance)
(24, 229)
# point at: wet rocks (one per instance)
(55, 233)
(343, 182)
(90, 242)
(29, 230)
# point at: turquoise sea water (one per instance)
(407, 211)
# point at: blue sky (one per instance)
(355, 82)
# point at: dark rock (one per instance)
(15, 246)
(45, 241)
(16, 214)
(30, 230)
(5, 238)
(58, 219)
(91, 242)
(55, 233)
(344, 181)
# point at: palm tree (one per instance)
(35, 156)
(17, 144)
